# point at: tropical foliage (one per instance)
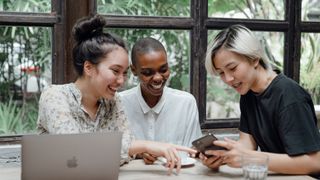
(25, 56)
(175, 41)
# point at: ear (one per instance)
(88, 68)
(256, 62)
(133, 70)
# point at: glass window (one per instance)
(310, 65)
(223, 101)
(25, 69)
(310, 10)
(177, 45)
(252, 9)
(37, 6)
(144, 7)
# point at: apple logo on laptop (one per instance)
(72, 163)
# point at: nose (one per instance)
(157, 77)
(121, 79)
(228, 77)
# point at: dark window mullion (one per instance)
(292, 42)
(198, 40)
(253, 24)
(154, 22)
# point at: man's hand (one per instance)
(148, 158)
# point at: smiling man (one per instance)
(155, 111)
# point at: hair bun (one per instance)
(88, 27)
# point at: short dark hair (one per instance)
(143, 46)
(91, 42)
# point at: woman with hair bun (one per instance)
(277, 114)
(91, 103)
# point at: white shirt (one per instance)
(174, 119)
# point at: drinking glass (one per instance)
(255, 167)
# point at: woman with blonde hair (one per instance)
(277, 114)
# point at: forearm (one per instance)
(302, 164)
(137, 147)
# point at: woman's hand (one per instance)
(232, 157)
(214, 161)
(160, 149)
(168, 151)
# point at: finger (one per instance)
(202, 157)
(212, 159)
(215, 165)
(185, 149)
(149, 157)
(147, 161)
(169, 163)
(178, 160)
(229, 140)
(224, 144)
(173, 159)
(215, 152)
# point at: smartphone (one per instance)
(206, 143)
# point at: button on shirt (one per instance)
(174, 119)
(61, 112)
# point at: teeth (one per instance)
(113, 89)
(156, 86)
(236, 85)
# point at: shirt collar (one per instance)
(76, 92)
(145, 108)
(78, 96)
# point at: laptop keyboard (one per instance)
(10, 156)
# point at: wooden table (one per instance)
(136, 170)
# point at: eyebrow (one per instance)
(145, 68)
(230, 64)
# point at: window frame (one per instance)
(64, 14)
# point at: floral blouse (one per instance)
(61, 112)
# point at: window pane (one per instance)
(310, 65)
(223, 101)
(25, 69)
(38, 6)
(310, 10)
(144, 7)
(177, 45)
(252, 9)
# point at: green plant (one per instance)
(10, 118)
(22, 47)
(175, 41)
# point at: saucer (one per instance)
(184, 161)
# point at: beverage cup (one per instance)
(255, 167)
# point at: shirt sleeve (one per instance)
(298, 129)
(243, 117)
(123, 125)
(55, 115)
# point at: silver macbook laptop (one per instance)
(74, 156)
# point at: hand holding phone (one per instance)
(206, 143)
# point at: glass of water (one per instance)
(255, 167)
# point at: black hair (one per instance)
(143, 46)
(91, 42)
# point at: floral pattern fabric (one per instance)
(61, 112)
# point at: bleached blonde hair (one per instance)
(240, 40)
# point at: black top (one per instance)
(281, 119)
